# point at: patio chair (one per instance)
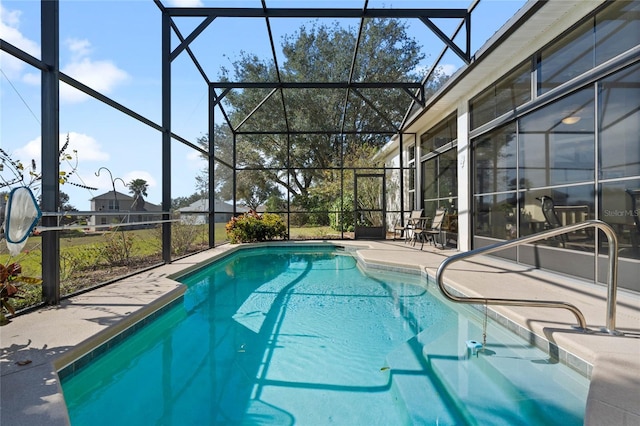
(404, 229)
(557, 216)
(435, 230)
(550, 216)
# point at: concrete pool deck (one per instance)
(38, 344)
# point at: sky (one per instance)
(114, 47)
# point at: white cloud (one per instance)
(448, 69)
(101, 179)
(10, 32)
(140, 174)
(88, 149)
(32, 78)
(102, 75)
(185, 3)
(88, 152)
(78, 48)
(195, 159)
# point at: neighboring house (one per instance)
(196, 212)
(113, 208)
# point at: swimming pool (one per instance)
(303, 336)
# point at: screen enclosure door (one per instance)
(369, 208)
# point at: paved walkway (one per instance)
(36, 345)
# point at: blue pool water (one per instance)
(301, 336)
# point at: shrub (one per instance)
(117, 248)
(252, 227)
(76, 259)
(342, 221)
(274, 226)
(184, 235)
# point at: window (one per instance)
(557, 142)
(444, 133)
(566, 59)
(440, 182)
(620, 208)
(495, 160)
(511, 91)
(580, 147)
(619, 124)
(439, 166)
(617, 30)
(495, 183)
(495, 215)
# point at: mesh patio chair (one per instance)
(404, 229)
(434, 232)
(551, 217)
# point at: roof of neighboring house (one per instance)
(111, 195)
(203, 204)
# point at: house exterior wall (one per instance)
(569, 51)
(116, 209)
(197, 212)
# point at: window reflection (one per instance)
(620, 208)
(509, 92)
(570, 57)
(617, 29)
(440, 181)
(557, 142)
(544, 209)
(442, 134)
(430, 178)
(539, 172)
(495, 216)
(448, 173)
(495, 160)
(619, 126)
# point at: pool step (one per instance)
(425, 398)
(507, 384)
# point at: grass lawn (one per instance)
(90, 259)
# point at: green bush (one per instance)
(342, 221)
(184, 235)
(116, 249)
(77, 259)
(252, 227)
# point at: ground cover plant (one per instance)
(90, 259)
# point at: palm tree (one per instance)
(138, 187)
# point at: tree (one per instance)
(138, 188)
(63, 205)
(253, 188)
(321, 53)
(179, 202)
